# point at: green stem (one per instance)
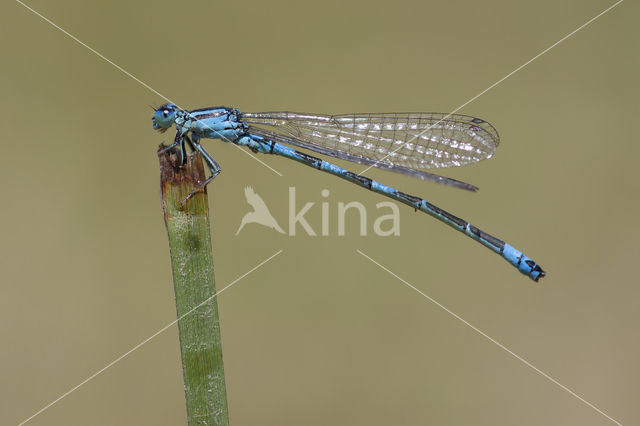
(192, 264)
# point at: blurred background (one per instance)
(320, 335)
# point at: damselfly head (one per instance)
(164, 117)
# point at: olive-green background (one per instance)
(320, 335)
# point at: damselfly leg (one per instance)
(213, 165)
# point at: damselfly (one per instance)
(404, 143)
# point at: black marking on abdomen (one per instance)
(536, 268)
(310, 159)
(362, 180)
(484, 236)
(415, 201)
(460, 222)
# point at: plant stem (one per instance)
(192, 264)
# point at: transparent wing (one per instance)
(393, 141)
(361, 160)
